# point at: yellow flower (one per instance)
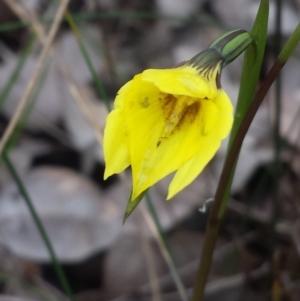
(166, 121)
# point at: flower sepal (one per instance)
(132, 204)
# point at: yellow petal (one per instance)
(192, 168)
(181, 81)
(225, 108)
(157, 146)
(115, 143)
(121, 95)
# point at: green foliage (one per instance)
(253, 58)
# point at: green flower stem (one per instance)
(58, 269)
(214, 217)
(99, 86)
(250, 75)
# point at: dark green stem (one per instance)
(215, 216)
(58, 269)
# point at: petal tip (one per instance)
(171, 194)
(106, 174)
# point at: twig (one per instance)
(150, 263)
(22, 105)
(72, 85)
(81, 102)
(165, 253)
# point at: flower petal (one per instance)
(224, 105)
(121, 95)
(154, 150)
(115, 143)
(184, 80)
(192, 168)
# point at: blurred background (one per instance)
(56, 150)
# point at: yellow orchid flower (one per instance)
(171, 120)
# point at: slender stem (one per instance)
(155, 217)
(277, 84)
(99, 86)
(276, 166)
(38, 67)
(277, 47)
(15, 74)
(165, 245)
(27, 111)
(215, 217)
(276, 170)
(290, 45)
(58, 269)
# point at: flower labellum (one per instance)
(172, 120)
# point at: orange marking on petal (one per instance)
(177, 111)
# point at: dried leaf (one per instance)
(78, 217)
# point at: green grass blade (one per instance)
(250, 75)
(58, 269)
(164, 242)
(120, 14)
(252, 66)
(10, 26)
(100, 89)
(131, 206)
(15, 74)
(290, 46)
(33, 98)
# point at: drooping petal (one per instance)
(165, 131)
(211, 143)
(192, 168)
(184, 80)
(115, 143)
(224, 105)
(121, 95)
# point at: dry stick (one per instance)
(151, 268)
(214, 218)
(22, 105)
(164, 252)
(81, 102)
(25, 16)
(29, 16)
(73, 88)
